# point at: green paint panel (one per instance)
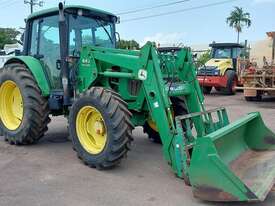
(37, 71)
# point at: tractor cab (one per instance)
(48, 39)
(84, 26)
(56, 38)
(226, 50)
(225, 53)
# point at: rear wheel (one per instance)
(179, 108)
(24, 112)
(231, 83)
(100, 128)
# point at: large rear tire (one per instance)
(231, 84)
(100, 128)
(24, 112)
(179, 108)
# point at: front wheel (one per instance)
(179, 108)
(100, 128)
(231, 83)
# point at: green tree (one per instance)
(202, 59)
(128, 44)
(238, 19)
(8, 36)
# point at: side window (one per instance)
(34, 37)
(49, 39)
(72, 42)
(45, 43)
(236, 52)
(87, 37)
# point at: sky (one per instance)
(195, 26)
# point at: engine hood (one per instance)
(219, 63)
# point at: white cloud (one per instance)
(165, 39)
(263, 1)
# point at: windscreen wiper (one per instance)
(101, 25)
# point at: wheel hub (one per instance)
(91, 130)
(11, 105)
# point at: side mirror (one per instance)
(21, 39)
(118, 20)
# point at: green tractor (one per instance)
(70, 67)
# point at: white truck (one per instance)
(8, 51)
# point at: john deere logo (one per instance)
(142, 74)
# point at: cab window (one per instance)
(222, 53)
(46, 47)
(89, 31)
(236, 52)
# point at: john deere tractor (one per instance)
(70, 67)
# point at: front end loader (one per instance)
(70, 67)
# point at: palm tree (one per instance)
(238, 19)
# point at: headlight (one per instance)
(216, 72)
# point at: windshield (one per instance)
(88, 31)
(236, 52)
(221, 53)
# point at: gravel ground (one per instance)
(49, 173)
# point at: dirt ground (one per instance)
(49, 173)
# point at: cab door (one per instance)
(45, 46)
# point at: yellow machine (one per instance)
(223, 69)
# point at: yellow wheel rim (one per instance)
(152, 124)
(11, 105)
(91, 130)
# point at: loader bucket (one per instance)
(234, 163)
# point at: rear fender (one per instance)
(36, 69)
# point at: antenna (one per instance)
(33, 3)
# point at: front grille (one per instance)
(207, 71)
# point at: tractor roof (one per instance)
(55, 9)
(226, 45)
